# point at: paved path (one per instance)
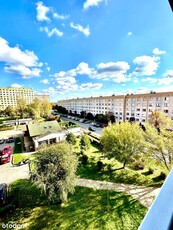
(143, 194)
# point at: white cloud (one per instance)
(24, 63)
(44, 81)
(114, 71)
(146, 65)
(24, 71)
(50, 90)
(85, 31)
(42, 11)
(16, 85)
(156, 51)
(150, 80)
(14, 55)
(52, 32)
(168, 73)
(129, 34)
(89, 3)
(91, 86)
(165, 81)
(59, 16)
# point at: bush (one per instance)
(162, 176)
(150, 171)
(100, 165)
(84, 159)
(71, 138)
(138, 165)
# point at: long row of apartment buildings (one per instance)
(9, 96)
(123, 107)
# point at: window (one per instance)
(143, 110)
(165, 110)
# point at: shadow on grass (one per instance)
(86, 209)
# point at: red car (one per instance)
(5, 155)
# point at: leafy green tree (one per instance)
(159, 119)
(21, 107)
(70, 138)
(35, 108)
(160, 145)
(85, 142)
(10, 111)
(90, 116)
(123, 141)
(55, 171)
(83, 114)
(46, 108)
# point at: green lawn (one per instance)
(86, 209)
(127, 175)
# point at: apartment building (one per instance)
(42, 97)
(123, 107)
(9, 96)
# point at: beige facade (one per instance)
(42, 97)
(9, 96)
(123, 106)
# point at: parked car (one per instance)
(10, 140)
(2, 141)
(5, 154)
(3, 193)
(92, 128)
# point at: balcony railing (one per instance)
(160, 214)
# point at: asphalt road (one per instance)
(83, 125)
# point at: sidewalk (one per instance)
(145, 195)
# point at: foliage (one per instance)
(90, 116)
(84, 159)
(160, 145)
(70, 138)
(123, 141)
(159, 120)
(55, 171)
(6, 127)
(10, 111)
(85, 142)
(83, 114)
(21, 107)
(60, 109)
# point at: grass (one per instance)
(86, 209)
(127, 175)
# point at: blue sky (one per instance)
(83, 48)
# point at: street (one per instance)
(83, 125)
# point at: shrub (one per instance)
(84, 159)
(162, 176)
(100, 165)
(138, 165)
(150, 171)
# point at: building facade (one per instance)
(123, 107)
(42, 97)
(9, 96)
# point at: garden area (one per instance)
(86, 209)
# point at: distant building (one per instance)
(138, 106)
(42, 97)
(9, 96)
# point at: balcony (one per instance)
(160, 214)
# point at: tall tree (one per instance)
(21, 107)
(85, 142)
(159, 119)
(46, 108)
(70, 138)
(55, 171)
(10, 111)
(160, 145)
(123, 141)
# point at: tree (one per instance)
(21, 107)
(160, 145)
(55, 171)
(83, 114)
(10, 111)
(85, 142)
(159, 119)
(70, 138)
(123, 141)
(46, 108)
(90, 116)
